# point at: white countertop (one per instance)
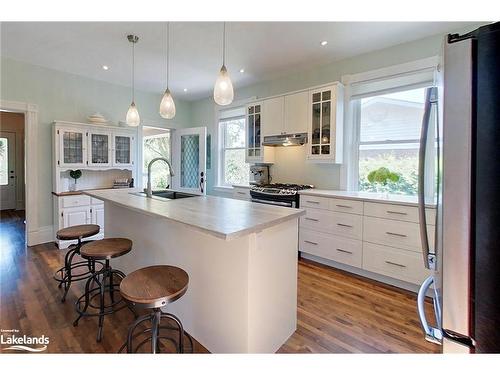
(365, 196)
(225, 218)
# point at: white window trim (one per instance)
(222, 152)
(349, 170)
(216, 156)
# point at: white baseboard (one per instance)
(42, 235)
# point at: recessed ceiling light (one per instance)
(324, 43)
(242, 70)
(105, 67)
(185, 90)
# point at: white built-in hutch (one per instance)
(103, 153)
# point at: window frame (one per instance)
(222, 148)
(355, 106)
(144, 172)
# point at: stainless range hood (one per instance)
(296, 139)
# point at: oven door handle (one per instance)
(274, 203)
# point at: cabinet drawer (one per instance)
(400, 234)
(75, 200)
(339, 249)
(95, 201)
(314, 202)
(321, 220)
(241, 193)
(398, 212)
(344, 205)
(347, 225)
(399, 264)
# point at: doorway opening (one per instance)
(12, 178)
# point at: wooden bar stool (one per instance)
(102, 250)
(66, 274)
(152, 288)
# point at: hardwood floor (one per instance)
(337, 312)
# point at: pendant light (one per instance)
(133, 118)
(223, 90)
(167, 105)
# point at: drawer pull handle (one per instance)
(311, 219)
(397, 213)
(344, 225)
(240, 192)
(395, 264)
(396, 234)
(343, 251)
(342, 206)
(315, 202)
(310, 242)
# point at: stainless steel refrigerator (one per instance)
(461, 136)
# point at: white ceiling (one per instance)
(264, 49)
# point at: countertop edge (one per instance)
(333, 194)
(224, 236)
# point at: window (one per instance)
(233, 168)
(156, 142)
(4, 161)
(389, 137)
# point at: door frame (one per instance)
(34, 234)
(176, 157)
(13, 160)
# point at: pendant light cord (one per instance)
(224, 45)
(168, 50)
(133, 71)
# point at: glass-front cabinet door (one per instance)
(254, 119)
(123, 151)
(73, 148)
(325, 136)
(99, 146)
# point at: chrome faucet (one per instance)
(149, 192)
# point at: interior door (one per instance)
(189, 160)
(7, 170)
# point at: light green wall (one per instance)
(290, 164)
(69, 97)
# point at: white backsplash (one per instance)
(94, 179)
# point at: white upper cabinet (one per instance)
(325, 129)
(99, 146)
(255, 119)
(273, 116)
(296, 112)
(80, 146)
(72, 147)
(123, 149)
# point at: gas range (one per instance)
(278, 194)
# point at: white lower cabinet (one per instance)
(241, 193)
(393, 262)
(339, 249)
(377, 237)
(77, 210)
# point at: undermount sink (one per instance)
(166, 194)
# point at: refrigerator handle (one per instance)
(432, 334)
(430, 99)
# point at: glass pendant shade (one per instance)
(167, 106)
(223, 90)
(133, 118)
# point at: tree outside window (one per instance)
(157, 145)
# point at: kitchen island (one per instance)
(241, 258)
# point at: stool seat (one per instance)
(77, 231)
(106, 249)
(155, 286)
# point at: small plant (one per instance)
(383, 176)
(75, 174)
